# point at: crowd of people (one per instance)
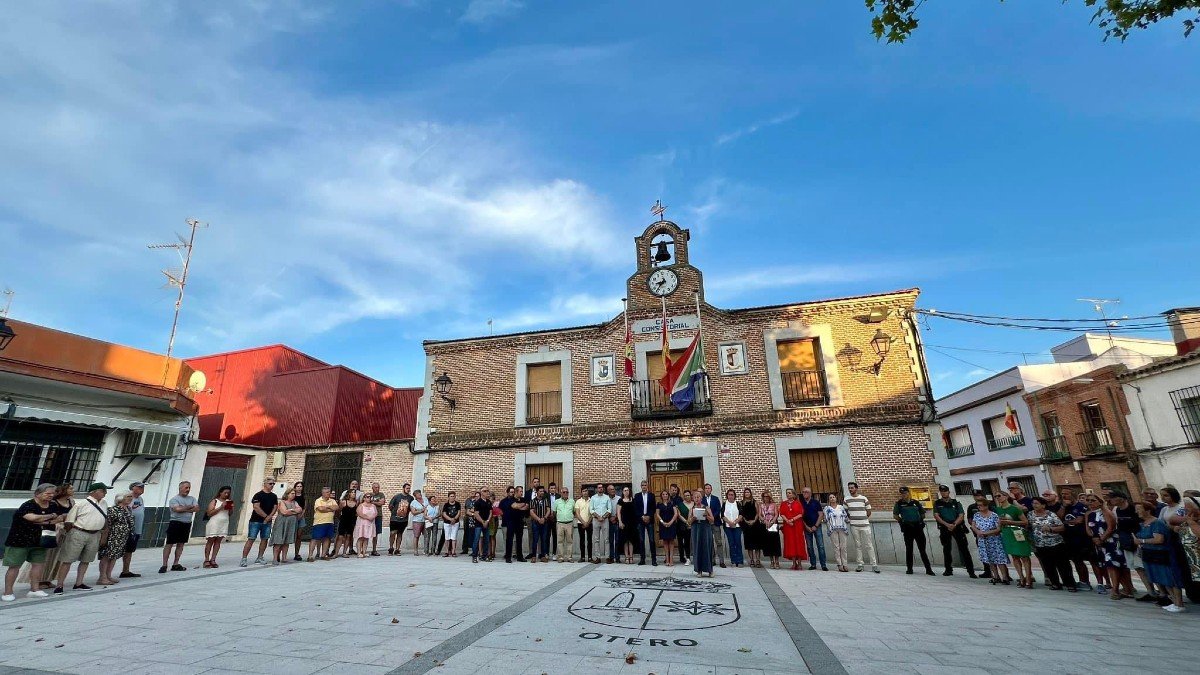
(1108, 534)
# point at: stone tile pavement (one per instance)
(417, 615)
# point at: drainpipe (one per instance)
(1131, 460)
(1145, 419)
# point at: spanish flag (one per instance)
(1010, 418)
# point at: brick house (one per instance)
(793, 395)
(1083, 434)
(275, 412)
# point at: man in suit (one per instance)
(713, 503)
(647, 506)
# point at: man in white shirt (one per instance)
(84, 526)
(858, 508)
(601, 507)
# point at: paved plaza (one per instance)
(417, 615)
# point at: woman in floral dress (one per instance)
(770, 518)
(1102, 526)
(120, 527)
(986, 526)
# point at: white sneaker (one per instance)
(37, 594)
(260, 561)
(8, 598)
(1174, 609)
(243, 563)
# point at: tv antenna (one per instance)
(178, 279)
(8, 298)
(1098, 305)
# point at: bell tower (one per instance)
(663, 269)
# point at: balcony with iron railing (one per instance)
(1005, 442)
(543, 407)
(648, 400)
(1054, 448)
(960, 451)
(804, 388)
(1096, 442)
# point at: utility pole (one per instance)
(178, 280)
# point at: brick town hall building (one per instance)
(795, 395)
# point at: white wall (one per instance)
(1179, 467)
(1159, 424)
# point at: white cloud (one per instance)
(486, 11)
(120, 121)
(562, 311)
(756, 127)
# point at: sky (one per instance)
(382, 172)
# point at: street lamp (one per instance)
(6, 333)
(851, 356)
(443, 384)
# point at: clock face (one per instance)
(663, 282)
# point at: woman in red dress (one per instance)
(791, 513)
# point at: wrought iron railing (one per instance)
(543, 407)
(649, 400)
(804, 388)
(1187, 406)
(961, 451)
(1054, 447)
(1096, 442)
(1005, 442)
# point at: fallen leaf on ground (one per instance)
(39, 639)
(412, 585)
(416, 654)
(57, 646)
(395, 620)
(630, 657)
(537, 639)
(744, 650)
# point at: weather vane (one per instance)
(658, 209)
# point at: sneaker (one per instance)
(162, 570)
(37, 594)
(1102, 590)
(58, 590)
(243, 563)
(949, 573)
(812, 567)
(1163, 601)
(1083, 586)
(178, 568)
(858, 569)
(824, 568)
(1174, 609)
(81, 587)
(929, 573)
(875, 570)
(7, 598)
(128, 575)
(260, 561)
(297, 557)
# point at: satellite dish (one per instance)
(197, 381)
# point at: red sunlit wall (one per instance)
(277, 397)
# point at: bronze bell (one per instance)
(661, 254)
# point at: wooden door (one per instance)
(816, 469)
(547, 473)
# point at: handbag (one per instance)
(49, 539)
(1155, 556)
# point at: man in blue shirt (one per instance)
(814, 517)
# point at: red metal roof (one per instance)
(276, 396)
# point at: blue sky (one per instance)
(381, 172)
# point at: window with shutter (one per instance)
(544, 393)
(801, 373)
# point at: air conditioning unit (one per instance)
(277, 459)
(151, 444)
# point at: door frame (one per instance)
(640, 454)
(543, 455)
(784, 446)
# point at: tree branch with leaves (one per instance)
(895, 20)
